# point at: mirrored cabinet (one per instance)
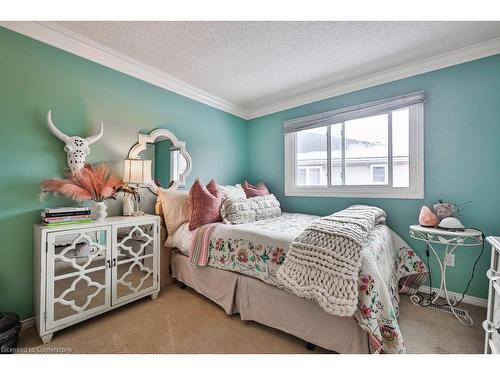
(83, 270)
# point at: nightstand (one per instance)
(83, 270)
(451, 241)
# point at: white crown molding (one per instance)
(66, 40)
(454, 57)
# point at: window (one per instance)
(311, 157)
(370, 150)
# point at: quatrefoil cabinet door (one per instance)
(78, 275)
(135, 261)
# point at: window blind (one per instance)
(353, 112)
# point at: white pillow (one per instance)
(233, 192)
(181, 239)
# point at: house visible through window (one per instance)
(371, 150)
(379, 175)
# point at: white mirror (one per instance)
(170, 161)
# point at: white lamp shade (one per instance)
(137, 171)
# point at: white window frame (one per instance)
(416, 151)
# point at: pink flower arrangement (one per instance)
(91, 183)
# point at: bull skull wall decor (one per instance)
(76, 148)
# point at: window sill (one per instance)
(390, 193)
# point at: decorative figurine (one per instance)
(76, 148)
(443, 209)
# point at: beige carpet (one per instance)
(430, 331)
(169, 325)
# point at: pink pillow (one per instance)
(204, 203)
(255, 191)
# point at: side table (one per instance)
(451, 241)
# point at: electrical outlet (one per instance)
(449, 260)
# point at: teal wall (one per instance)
(462, 157)
(34, 78)
(462, 128)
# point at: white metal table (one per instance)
(451, 241)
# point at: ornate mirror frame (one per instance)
(144, 139)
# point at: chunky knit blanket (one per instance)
(324, 261)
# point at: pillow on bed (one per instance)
(266, 207)
(181, 239)
(237, 211)
(205, 203)
(255, 191)
(175, 207)
(233, 192)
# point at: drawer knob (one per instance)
(490, 327)
(493, 275)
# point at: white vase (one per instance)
(99, 211)
(128, 204)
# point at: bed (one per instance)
(241, 277)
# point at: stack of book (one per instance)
(66, 215)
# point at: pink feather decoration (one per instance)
(91, 183)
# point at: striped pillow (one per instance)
(237, 211)
(240, 211)
(266, 207)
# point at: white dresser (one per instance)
(83, 270)
(492, 323)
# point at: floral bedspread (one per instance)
(389, 266)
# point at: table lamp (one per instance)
(137, 173)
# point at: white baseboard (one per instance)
(27, 323)
(471, 300)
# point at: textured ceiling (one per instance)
(252, 64)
